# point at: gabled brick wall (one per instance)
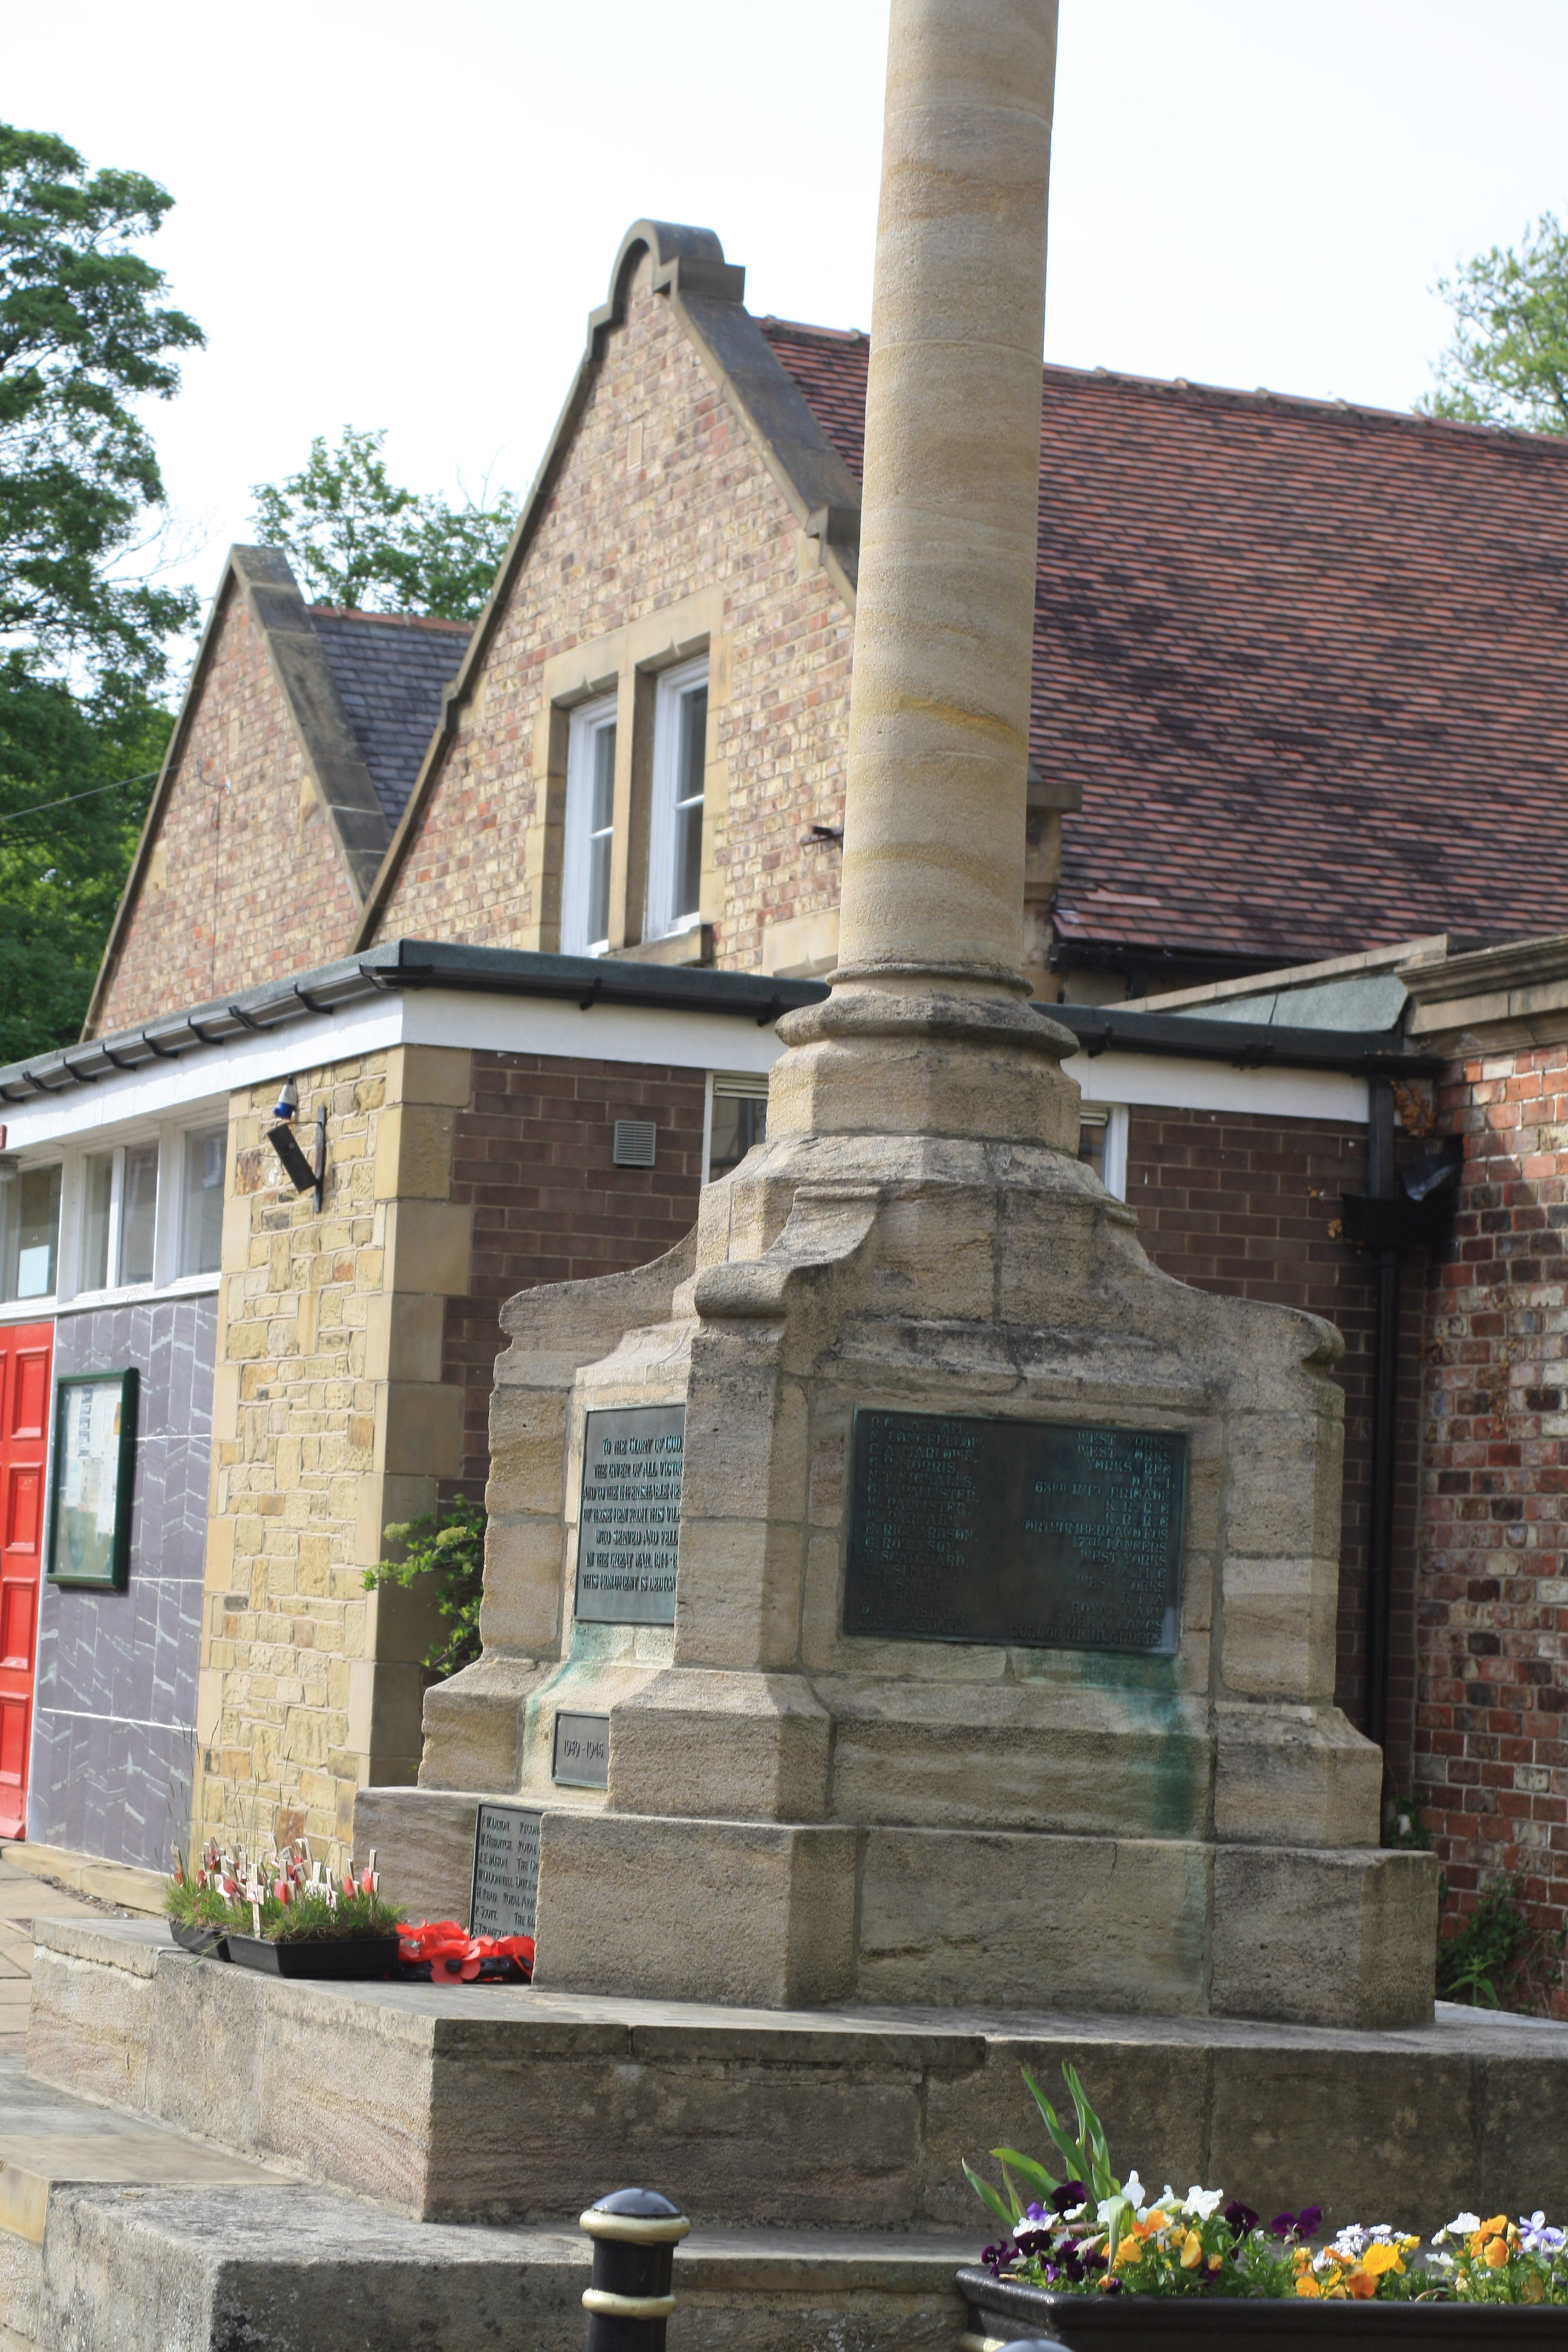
(243, 882)
(638, 522)
(1493, 1732)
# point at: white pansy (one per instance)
(1463, 2223)
(1202, 2201)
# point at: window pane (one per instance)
(1091, 1137)
(739, 1121)
(688, 878)
(598, 889)
(601, 832)
(201, 1220)
(138, 1213)
(602, 810)
(32, 1231)
(97, 1193)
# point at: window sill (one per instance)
(692, 945)
(83, 1302)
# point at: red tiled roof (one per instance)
(1307, 663)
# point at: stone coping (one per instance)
(445, 2016)
(88, 1874)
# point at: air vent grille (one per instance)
(636, 1141)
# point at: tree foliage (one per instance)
(355, 539)
(84, 335)
(1507, 363)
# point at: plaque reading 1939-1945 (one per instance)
(628, 1530)
(1034, 1533)
(506, 1871)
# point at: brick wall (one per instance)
(1242, 1203)
(635, 523)
(243, 882)
(532, 1157)
(1492, 1751)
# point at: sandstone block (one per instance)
(1011, 1921)
(689, 1742)
(1324, 1938)
(521, 1605)
(746, 1913)
(527, 1450)
(1294, 1776)
(1279, 1626)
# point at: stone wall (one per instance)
(1493, 1750)
(243, 882)
(661, 499)
(114, 1730)
(1233, 1202)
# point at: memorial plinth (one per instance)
(1000, 1668)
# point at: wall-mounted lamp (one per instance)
(284, 1142)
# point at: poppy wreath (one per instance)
(439, 1951)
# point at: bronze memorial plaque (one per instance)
(628, 1528)
(1037, 1533)
(506, 1871)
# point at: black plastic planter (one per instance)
(206, 1943)
(325, 1955)
(1001, 2309)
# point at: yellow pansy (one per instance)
(1380, 2258)
(1306, 2284)
(1496, 2255)
(1192, 2251)
(1130, 2251)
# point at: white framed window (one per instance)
(674, 830)
(737, 1118)
(137, 1253)
(29, 1231)
(102, 1178)
(1102, 1144)
(201, 1207)
(590, 828)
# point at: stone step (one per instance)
(485, 2104)
(119, 2235)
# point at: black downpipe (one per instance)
(1381, 1186)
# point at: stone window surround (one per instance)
(68, 1297)
(628, 663)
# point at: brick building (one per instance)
(485, 896)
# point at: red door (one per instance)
(25, 1349)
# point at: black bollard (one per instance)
(635, 2233)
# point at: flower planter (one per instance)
(316, 1956)
(1002, 2309)
(206, 1943)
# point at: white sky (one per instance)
(398, 217)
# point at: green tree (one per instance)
(83, 336)
(355, 539)
(75, 781)
(1508, 364)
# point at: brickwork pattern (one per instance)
(531, 1156)
(1240, 1204)
(1492, 1746)
(294, 1431)
(619, 541)
(243, 882)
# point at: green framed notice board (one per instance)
(94, 1455)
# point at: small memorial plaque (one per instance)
(583, 1750)
(1034, 1533)
(628, 1528)
(506, 1871)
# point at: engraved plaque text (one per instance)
(506, 1871)
(582, 1750)
(1034, 1533)
(628, 1530)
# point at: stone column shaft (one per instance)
(933, 844)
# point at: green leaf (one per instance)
(1035, 2174)
(988, 2197)
(1017, 2202)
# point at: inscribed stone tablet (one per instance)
(506, 1871)
(582, 1750)
(1033, 1533)
(628, 1530)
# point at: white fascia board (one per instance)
(604, 1032)
(1165, 1082)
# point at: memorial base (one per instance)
(999, 1663)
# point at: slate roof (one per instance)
(1309, 663)
(390, 669)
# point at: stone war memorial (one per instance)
(994, 1661)
(908, 1616)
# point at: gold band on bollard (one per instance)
(636, 2229)
(605, 2305)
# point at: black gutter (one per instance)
(410, 964)
(588, 981)
(1247, 1045)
